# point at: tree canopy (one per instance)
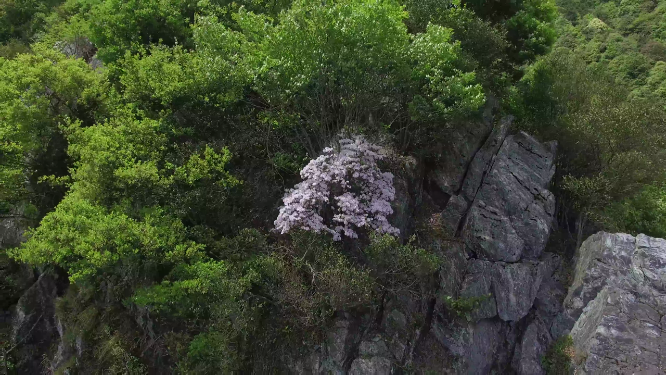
(151, 143)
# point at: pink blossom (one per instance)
(350, 184)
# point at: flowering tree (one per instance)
(347, 184)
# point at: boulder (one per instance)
(618, 301)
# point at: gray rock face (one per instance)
(453, 214)
(479, 283)
(506, 228)
(549, 299)
(618, 299)
(483, 158)
(373, 358)
(531, 348)
(493, 212)
(35, 325)
(511, 215)
(80, 48)
(515, 286)
(11, 232)
(404, 179)
(457, 155)
(487, 338)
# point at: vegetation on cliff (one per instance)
(152, 142)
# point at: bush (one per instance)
(557, 360)
(400, 268)
(90, 241)
(463, 307)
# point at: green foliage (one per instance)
(307, 39)
(109, 328)
(171, 78)
(333, 64)
(157, 176)
(500, 35)
(13, 48)
(352, 64)
(339, 283)
(13, 280)
(210, 353)
(129, 158)
(448, 89)
(188, 290)
(557, 360)
(117, 26)
(655, 84)
(401, 267)
(42, 92)
(463, 307)
(644, 212)
(90, 241)
(610, 145)
(530, 30)
(22, 19)
(483, 45)
(624, 37)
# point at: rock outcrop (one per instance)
(33, 327)
(505, 231)
(36, 328)
(494, 212)
(618, 303)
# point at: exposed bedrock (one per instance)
(616, 307)
(495, 213)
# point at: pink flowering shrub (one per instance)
(347, 187)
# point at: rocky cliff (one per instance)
(491, 203)
(618, 303)
(500, 299)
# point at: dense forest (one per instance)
(224, 169)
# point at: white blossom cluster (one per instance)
(349, 183)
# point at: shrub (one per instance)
(557, 360)
(463, 307)
(610, 147)
(399, 267)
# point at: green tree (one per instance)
(609, 145)
(21, 19)
(41, 93)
